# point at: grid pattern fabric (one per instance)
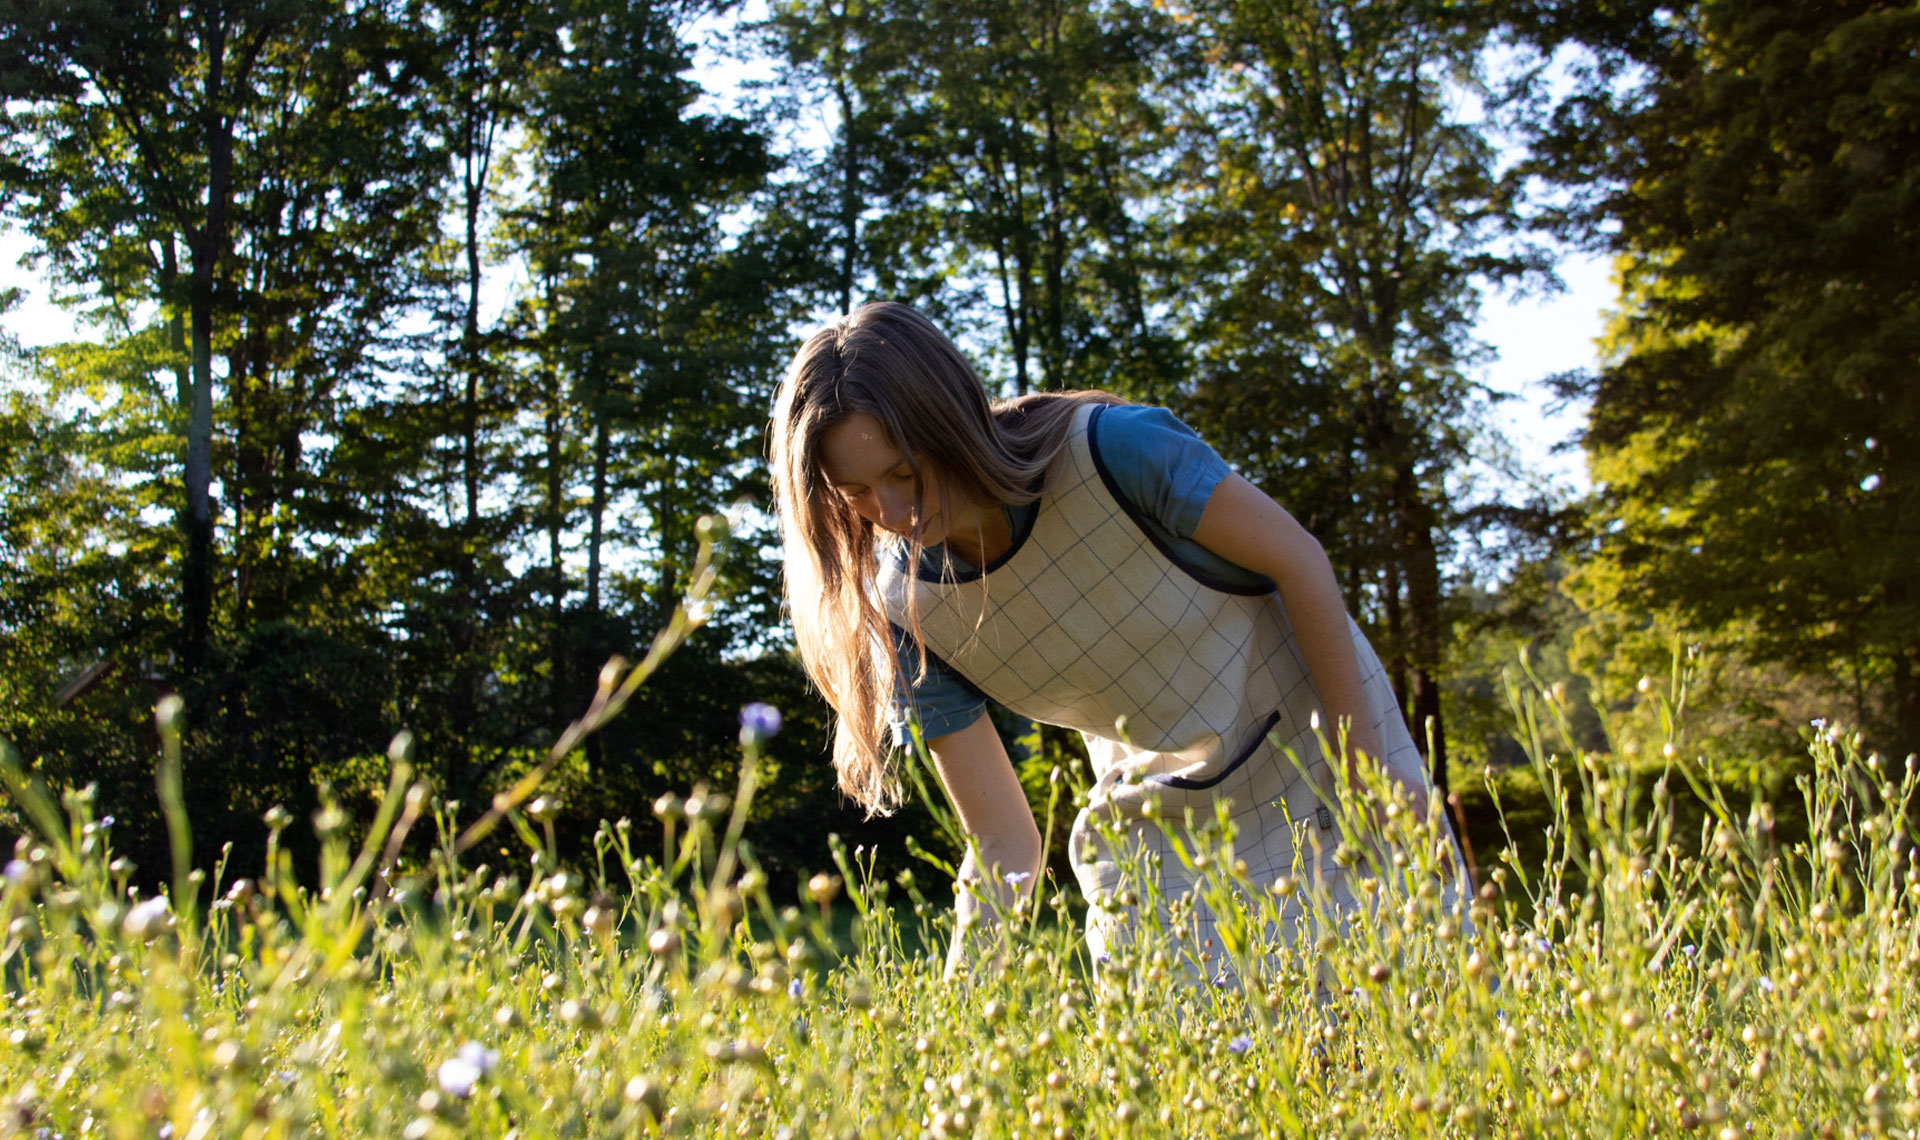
(1187, 695)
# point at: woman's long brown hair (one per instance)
(887, 361)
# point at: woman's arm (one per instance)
(1244, 526)
(973, 766)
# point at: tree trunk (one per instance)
(183, 369)
(477, 157)
(241, 479)
(556, 566)
(1054, 254)
(595, 648)
(464, 633)
(1426, 633)
(667, 526)
(1904, 682)
(596, 522)
(1396, 658)
(206, 250)
(1118, 230)
(1906, 701)
(1025, 303)
(849, 189)
(196, 593)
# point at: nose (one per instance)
(893, 508)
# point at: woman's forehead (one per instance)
(857, 449)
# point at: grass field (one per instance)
(1633, 977)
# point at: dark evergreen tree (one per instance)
(1755, 432)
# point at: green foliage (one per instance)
(282, 217)
(1753, 428)
(243, 178)
(443, 502)
(1529, 618)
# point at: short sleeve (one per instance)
(943, 700)
(1160, 465)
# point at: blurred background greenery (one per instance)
(418, 333)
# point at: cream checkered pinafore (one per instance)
(1087, 622)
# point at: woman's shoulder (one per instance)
(1158, 465)
(1144, 436)
(1144, 424)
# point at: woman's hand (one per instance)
(973, 766)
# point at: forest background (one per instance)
(423, 331)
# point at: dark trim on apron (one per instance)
(1239, 758)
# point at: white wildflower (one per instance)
(146, 918)
(459, 1073)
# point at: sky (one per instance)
(1536, 337)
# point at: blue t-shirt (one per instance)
(1164, 471)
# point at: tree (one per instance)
(989, 162)
(1755, 432)
(653, 328)
(84, 598)
(1338, 237)
(247, 169)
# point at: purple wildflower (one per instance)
(759, 722)
(1241, 1043)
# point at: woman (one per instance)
(1084, 563)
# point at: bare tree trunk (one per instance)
(464, 632)
(1906, 700)
(1053, 253)
(470, 356)
(1396, 659)
(197, 578)
(556, 566)
(849, 190)
(1426, 633)
(1905, 680)
(594, 650)
(184, 371)
(597, 511)
(241, 479)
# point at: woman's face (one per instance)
(863, 467)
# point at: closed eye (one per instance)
(855, 490)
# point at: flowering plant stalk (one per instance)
(1653, 977)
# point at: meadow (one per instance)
(1646, 977)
